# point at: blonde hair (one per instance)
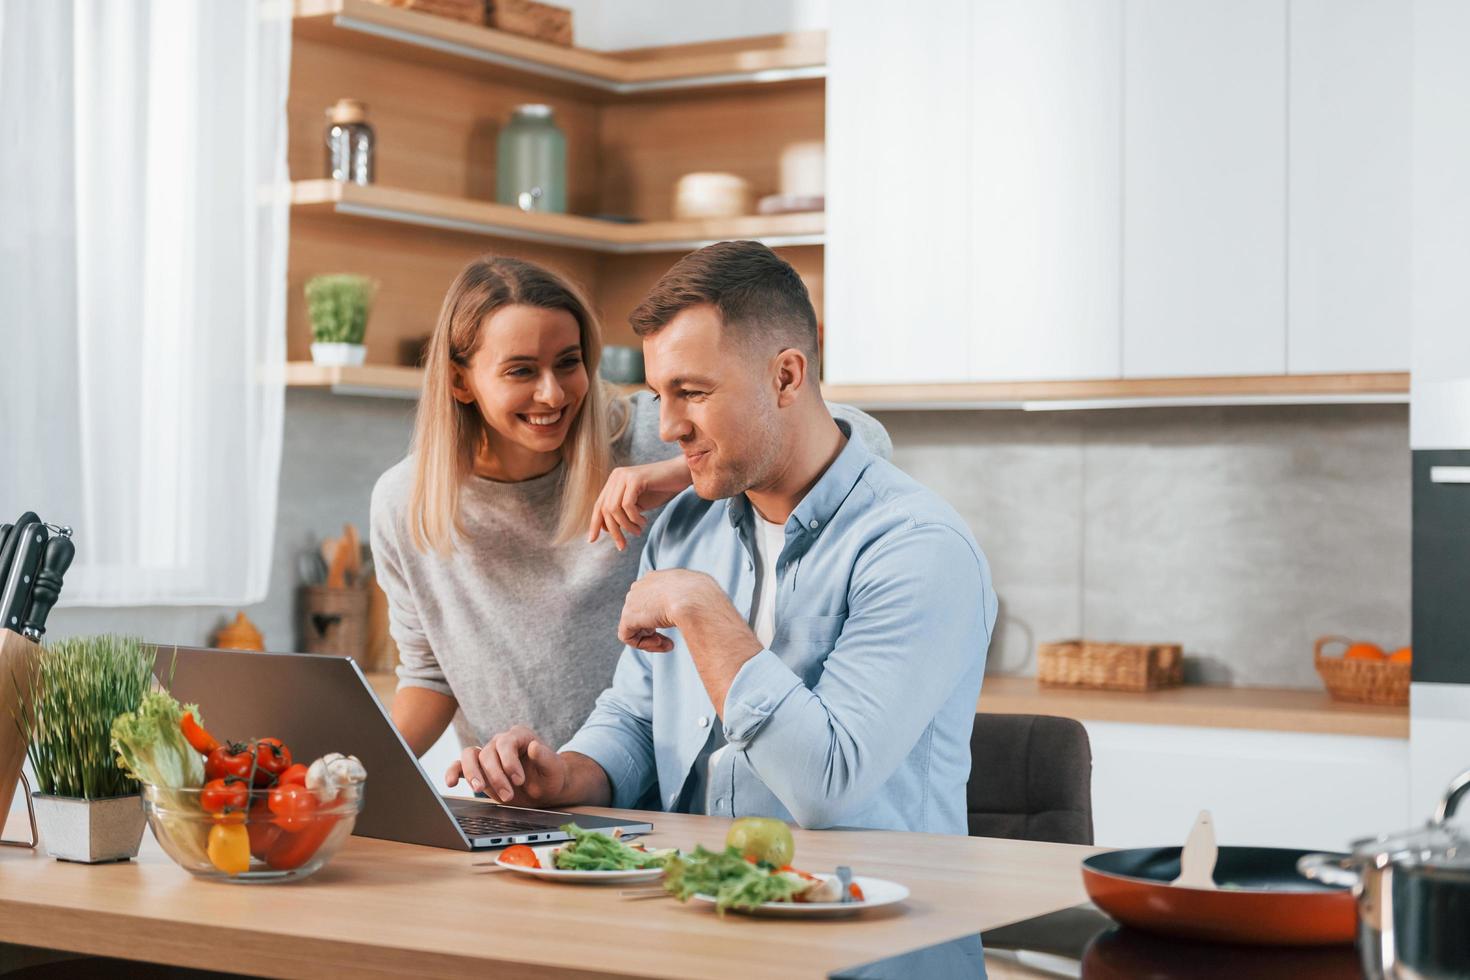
(448, 434)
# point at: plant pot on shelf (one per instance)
(338, 355)
(338, 306)
(90, 831)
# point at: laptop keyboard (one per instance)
(477, 826)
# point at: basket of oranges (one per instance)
(1363, 672)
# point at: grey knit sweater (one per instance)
(517, 629)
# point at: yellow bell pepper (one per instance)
(229, 847)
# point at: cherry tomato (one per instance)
(520, 855)
(229, 759)
(271, 759)
(294, 807)
(262, 828)
(203, 742)
(219, 795)
(296, 774)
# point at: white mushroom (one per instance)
(335, 774)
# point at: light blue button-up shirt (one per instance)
(859, 713)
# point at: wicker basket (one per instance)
(1110, 666)
(528, 18)
(469, 11)
(334, 620)
(1363, 681)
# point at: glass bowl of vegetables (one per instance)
(232, 831)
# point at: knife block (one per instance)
(17, 665)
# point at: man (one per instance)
(807, 636)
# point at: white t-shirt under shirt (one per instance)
(769, 540)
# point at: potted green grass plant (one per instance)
(87, 808)
(339, 307)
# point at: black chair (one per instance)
(1030, 779)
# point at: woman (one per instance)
(503, 608)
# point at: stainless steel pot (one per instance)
(1413, 892)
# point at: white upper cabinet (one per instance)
(1349, 251)
(1065, 189)
(1204, 187)
(898, 192)
(1045, 210)
(1439, 416)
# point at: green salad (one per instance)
(591, 851)
(732, 880)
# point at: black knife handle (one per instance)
(29, 550)
(7, 547)
(47, 588)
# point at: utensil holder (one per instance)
(334, 621)
(17, 667)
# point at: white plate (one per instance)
(551, 872)
(876, 893)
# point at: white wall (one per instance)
(611, 25)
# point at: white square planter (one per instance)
(90, 831)
(338, 355)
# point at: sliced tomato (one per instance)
(520, 855)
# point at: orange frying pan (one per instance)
(1259, 897)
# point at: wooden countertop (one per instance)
(388, 910)
(1256, 708)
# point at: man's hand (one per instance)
(651, 603)
(632, 490)
(718, 638)
(514, 767)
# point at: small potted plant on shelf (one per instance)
(339, 307)
(87, 808)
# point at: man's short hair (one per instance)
(762, 301)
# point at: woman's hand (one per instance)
(514, 767)
(632, 490)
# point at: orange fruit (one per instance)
(1364, 651)
(1403, 655)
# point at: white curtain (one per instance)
(143, 231)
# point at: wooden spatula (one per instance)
(1197, 860)
(353, 544)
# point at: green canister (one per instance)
(531, 171)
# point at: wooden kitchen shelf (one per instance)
(567, 230)
(365, 26)
(1131, 392)
(1299, 389)
(1255, 708)
(381, 380)
(368, 379)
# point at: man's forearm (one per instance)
(587, 784)
(719, 640)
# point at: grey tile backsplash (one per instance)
(1243, 533)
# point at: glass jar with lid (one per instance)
(531, 164)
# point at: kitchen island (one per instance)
(382, 909)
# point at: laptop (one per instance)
(318, 704)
